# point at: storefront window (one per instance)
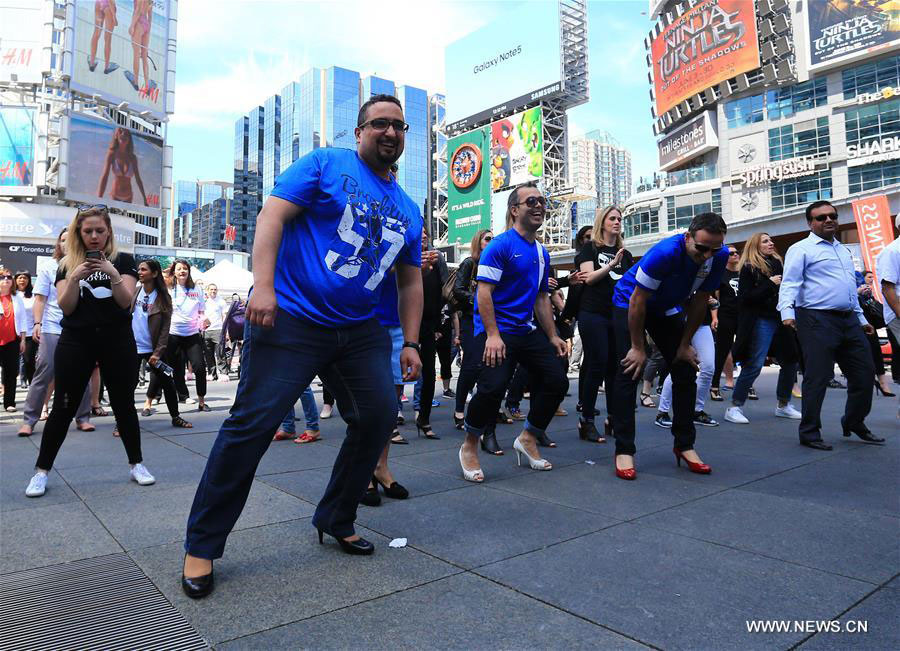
(642, 222)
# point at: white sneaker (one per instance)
(736, 415)
(788, 411)
(37, 486)
(141, 475)
(326, 411)
(190, 401)
(11, 410)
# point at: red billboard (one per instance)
(713, 41)
(873, 224)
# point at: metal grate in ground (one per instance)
(98, 603)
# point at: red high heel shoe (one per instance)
(693, 466)
(628, 473)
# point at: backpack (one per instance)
(235, 321)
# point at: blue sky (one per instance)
(233, 54)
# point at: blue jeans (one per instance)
(277, 364)
(310, 412)
(763, 332)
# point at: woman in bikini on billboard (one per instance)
(123, 163)
(140, 39)
(104, 22)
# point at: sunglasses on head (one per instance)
(831, 215)
(531, 202)
(85, 207)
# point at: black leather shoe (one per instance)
(371, 497)
(489, 443)
(395, 490)
(587, 431)
(545, 441)
(197, 587)
(361, 547)
(865, 434)
(816, 445)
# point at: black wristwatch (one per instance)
(413, 345)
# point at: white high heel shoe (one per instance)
(536, 464)
(476, 475)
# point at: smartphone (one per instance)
(92, 255)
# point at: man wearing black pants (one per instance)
(513, 287)
(818, 297)
(681, 269)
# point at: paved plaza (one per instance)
(572, 558)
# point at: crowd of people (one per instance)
(348, 289)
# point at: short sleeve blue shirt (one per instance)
(519, 269)
(671, 276)
(387, 311)
(354, 226)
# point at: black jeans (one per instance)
(549, 381)
(825, 337)
(9, 371)
(471, 362)
(517, 386)
(426, 337)
(278, 364)
(163, 380)
(30, 360)
(77, 352)
(442, 346)
(666, 332)
(724, 341)
(192, 347)
(600, 362)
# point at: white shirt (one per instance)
(46, 286)
(888, 266)
(18, 313)
(216, 309)
(187, 307)
(140, 322)
(28, 304)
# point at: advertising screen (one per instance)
(468, 185)
(16, 146)
(113, 165)
(517, 149)
(21, 26)
(120, 51)
(841, 30)
(712, 42)
(505, 64)
(688, 141)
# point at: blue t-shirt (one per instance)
(355, 225)
(519, 269)
(387, 311)
(670, 276)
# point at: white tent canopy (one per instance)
(228, 277)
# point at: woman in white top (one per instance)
(188, 321)
(25, 291)
(12, 337)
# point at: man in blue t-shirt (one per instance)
(334, 225)
(512, 276)
(665, 294)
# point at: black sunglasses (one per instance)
(702, 248)
(84, 207)
(831, 215)
(531, 202)
(734, 253)
(6, 277)
(382, 124)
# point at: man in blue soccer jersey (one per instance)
(334, 225)
(666, 294)
(513, 287)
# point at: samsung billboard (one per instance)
(506, 64)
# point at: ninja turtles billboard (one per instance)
(517, 149)
(468, 185)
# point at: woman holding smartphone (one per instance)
(95, 284)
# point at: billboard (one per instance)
(113, 165)
(876, 232)
(692, 139)
(503, 65)
(844, 30)
(17, 130)
(517, 149)
(712, 42)
(468, 185)
(20, 42)
(119, 51)
(21, 256)
(42, 221)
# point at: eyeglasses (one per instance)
(702, 248)
(831, 215)
(382, 124)
(531, 202)
(84, 207)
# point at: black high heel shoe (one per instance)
(395, 490)
(587, 431)
(197, 587)
(545, 441)
(886, 394)
(458, 422)
(489, 443)
(361, 547)
(426, 431)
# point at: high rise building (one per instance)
(809, 116)
(195, 221)
(320, 109)
(599, 166)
